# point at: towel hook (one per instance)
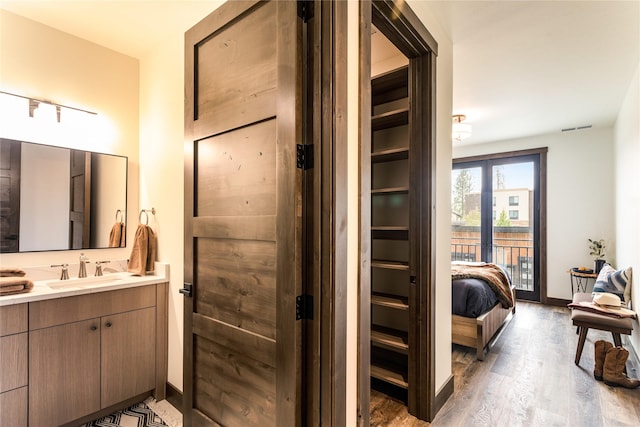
(119, 212)
(146, 213)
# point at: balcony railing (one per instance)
(516, 258)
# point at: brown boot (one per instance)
(599, 352)
(613, 370)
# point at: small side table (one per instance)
(581, 280)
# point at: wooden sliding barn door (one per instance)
(243, 207)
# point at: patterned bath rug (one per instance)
(138, 415)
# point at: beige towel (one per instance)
(151, 253)
(115, 234)
(139, 252)
(123, 235)
(143, 254)
(11, 272)
(15, 285)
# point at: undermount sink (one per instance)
(85, 282)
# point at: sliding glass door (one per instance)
(496, 216)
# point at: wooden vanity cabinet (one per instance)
(128, 355)
(13, 365)
(80, 366)
(64, 372)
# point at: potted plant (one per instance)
(596, 250)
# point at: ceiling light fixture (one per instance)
(459, 130)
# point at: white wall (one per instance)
(44, 63)
(162, 176)
(108, 176)
(580, 197)
(627, 192)
(44, 191)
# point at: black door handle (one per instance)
(187, 290)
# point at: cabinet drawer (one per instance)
(13, 319)
(43, 314)
(13, 361)
(13, 408)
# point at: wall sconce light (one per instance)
(34, 104)
(459, 130)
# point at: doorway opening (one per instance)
(397, 324)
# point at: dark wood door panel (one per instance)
(80, 199)
(232, 387)
(244, 297)
(236, 75)
(9, 195)
(261, 227)
(242, 216)
(243, 181)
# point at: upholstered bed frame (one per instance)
(479, 331)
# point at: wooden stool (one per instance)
(586, 320)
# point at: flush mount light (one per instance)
(459, 130)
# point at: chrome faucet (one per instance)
(99, 267)
(83, 266)
(64, 275)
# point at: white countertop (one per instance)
(89, 285)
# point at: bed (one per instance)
(483, 298)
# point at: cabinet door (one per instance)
(13, 408)
(64, 372)
(128, 355)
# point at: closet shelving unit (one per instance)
(390, 177)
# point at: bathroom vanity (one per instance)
(75, 350)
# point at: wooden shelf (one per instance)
(390, 86)
(390, 338)
(390, 232)
(390, 155)
(390, 352)
(389, 265)
(390, 190)
(389, 300)
(390, 119)
(391, 376)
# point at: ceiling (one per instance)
(521, 68)
(524, 68)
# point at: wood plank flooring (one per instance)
(527, 379)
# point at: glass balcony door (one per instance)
(495, 206)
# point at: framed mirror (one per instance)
(55, 198)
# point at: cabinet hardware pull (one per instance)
(94, 327)
(108, 324)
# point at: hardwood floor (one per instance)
(527, 379)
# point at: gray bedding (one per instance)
(471, 297)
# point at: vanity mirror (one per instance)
(54, 198)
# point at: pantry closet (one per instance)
(398, 166)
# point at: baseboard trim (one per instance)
(174, 396)
(632, 350)
(442, 396)
(557, 302)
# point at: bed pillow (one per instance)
(617, 282)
